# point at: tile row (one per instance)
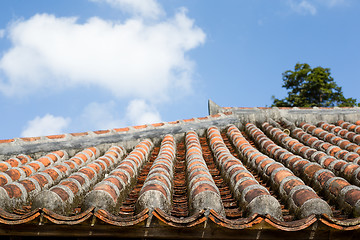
(331, 138)
(14, 162)
(30, 168)
(17, 193)
(116, 130)
(343, 130)
(63, 197)
(157, 189)
(302, 199)
(104, 182)
(252, 196)
(109, 193)
(204, 194)
(316, 151)
(345, 195)
(326, 147)
(349, 126)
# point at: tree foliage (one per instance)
(311, 87)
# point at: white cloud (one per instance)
(101, 116)
(333, 3)
(130, 59)
(143, 8)
(139, 112)
(47, 125)
(108, 115)
(311, 7)
(303, 7)
(2, 33)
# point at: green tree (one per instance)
(311, 87)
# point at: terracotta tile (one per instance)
(28, 185)
(203, 187)
(280, 175)
(253, 193)
(101, 131)
(40, 179)
(13, 191)
(79, 134)
(339, 165)
(71, 185)
(311, 170)
(324, 177)
(302, 195)
(61, 193)
(122, 129)
(215, 115)
(352, 196)
(140, 127)
(14, 174)
(189, 120)
(174, 122)
(30, 139)
(7, 141)
(108, 189)
(336, 186)
(348, 171)
(56, 136)
(203, 118)
(157, 124)
(53, 174)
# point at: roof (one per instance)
(237, 173)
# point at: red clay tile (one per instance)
(13, 191)
(174, 122)
(29, 185)
(352, 196)
(336, 186)
(71, 185)
(79, 134)
(125, 129)
(189, 120)
(53, 174)
(14, 174)
(7, 141)
(101, 131)
(61, 193)
(40, 179)
(157, 124)
(302, 195)
(216, 115)
(140, 126)
(253, 193)
(56, 136)
(30, 139)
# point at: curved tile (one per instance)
(76, 185)
(251, 195)
(28, 169)
(301, 198)
(191, 221)
(320, 178)
(111, 219)
(157, 189)
(204, 193)
(17, 193)
(111, 191)
(14, 162)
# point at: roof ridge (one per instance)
(114, 130)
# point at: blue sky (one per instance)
(71, 66)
